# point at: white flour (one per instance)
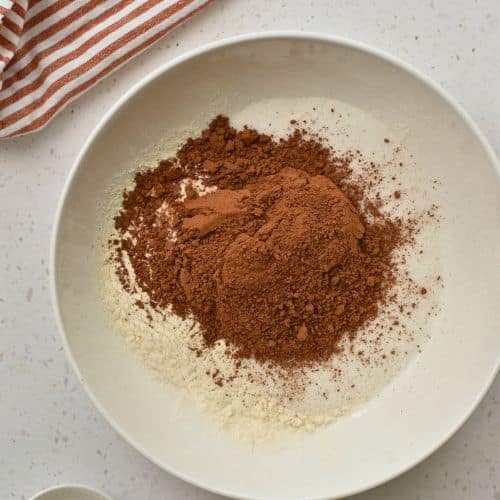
(271, 409)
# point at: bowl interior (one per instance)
(426, 402)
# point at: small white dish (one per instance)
(70, 492)
(428, 402)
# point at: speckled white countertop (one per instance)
(49, 431)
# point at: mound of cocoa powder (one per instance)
(276, 257)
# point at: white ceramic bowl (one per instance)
(428, 401)
(70, 492)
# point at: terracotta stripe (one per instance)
(43, 119)
(4, 59)
(19, 10)
(32, 11)
(11, 25)
(52, 30)
(5, 52)
(32, 3)
(34, 63)
(7, 44)
(91, 42)
(15, 18)
(44, 14)
(75, 73)
(8, 35)
(3, 10)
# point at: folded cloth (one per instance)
(51, 51)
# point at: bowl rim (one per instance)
(137, 87)
(72, 486)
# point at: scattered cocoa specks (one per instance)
(262, 304)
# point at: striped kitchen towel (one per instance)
(53, 50)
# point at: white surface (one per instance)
(50, 432)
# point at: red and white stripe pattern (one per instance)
(53, 50)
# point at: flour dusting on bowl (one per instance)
(339, 342)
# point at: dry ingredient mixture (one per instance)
(277, 261)
(248, 265)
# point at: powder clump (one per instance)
(174, 241)
(278, 260)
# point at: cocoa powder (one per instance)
(280, 261)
